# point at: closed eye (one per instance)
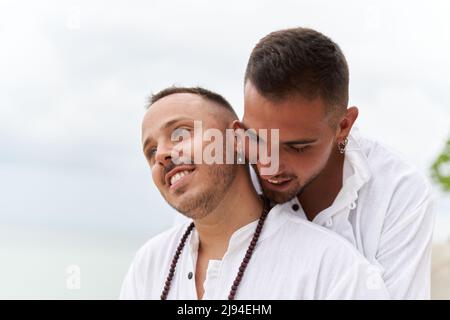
(299, 149)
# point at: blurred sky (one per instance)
(75, 76)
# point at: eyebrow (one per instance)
(166, 125)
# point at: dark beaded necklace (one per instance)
(244, 263)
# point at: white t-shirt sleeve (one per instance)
(405, 251)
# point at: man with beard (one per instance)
(297, 81)
(234, 246)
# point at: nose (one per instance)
(163, 155)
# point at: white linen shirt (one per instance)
(293, 259)
(385, 209)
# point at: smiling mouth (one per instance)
(278, 181)
(277, 184)
(178, 176)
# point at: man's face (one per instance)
(305, 144)
(192, 189)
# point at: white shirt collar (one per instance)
(356, 173)
(243, 235)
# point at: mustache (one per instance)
(278, 176)
(172, 165)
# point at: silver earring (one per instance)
(342, 145)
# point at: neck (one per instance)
(322, 191)
(240, 206)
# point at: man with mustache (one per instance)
(234, 246)
(297, 81)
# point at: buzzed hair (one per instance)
(202, 92)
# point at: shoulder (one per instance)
(155, 251)
(144, 274)
(307, 237)
(321, 258)
(333, 257)
(395, 176)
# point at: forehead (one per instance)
(295, 115)
(178, 106)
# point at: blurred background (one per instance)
(76, 195)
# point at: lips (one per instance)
(178, 174)
(274, 183)
(277, 180)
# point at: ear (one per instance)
(346, 123)
(239, 140)
(236, 124)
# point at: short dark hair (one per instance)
(299, 60)
(204, 93)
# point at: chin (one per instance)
(181, 205)
(281, 197)
(194, 214)
(187, 205)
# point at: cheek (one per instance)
(157, 175)
(202, 173)
(183, 150)
(314, 160)
(197, 145)
(303, 164)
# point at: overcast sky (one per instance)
(75, 75)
